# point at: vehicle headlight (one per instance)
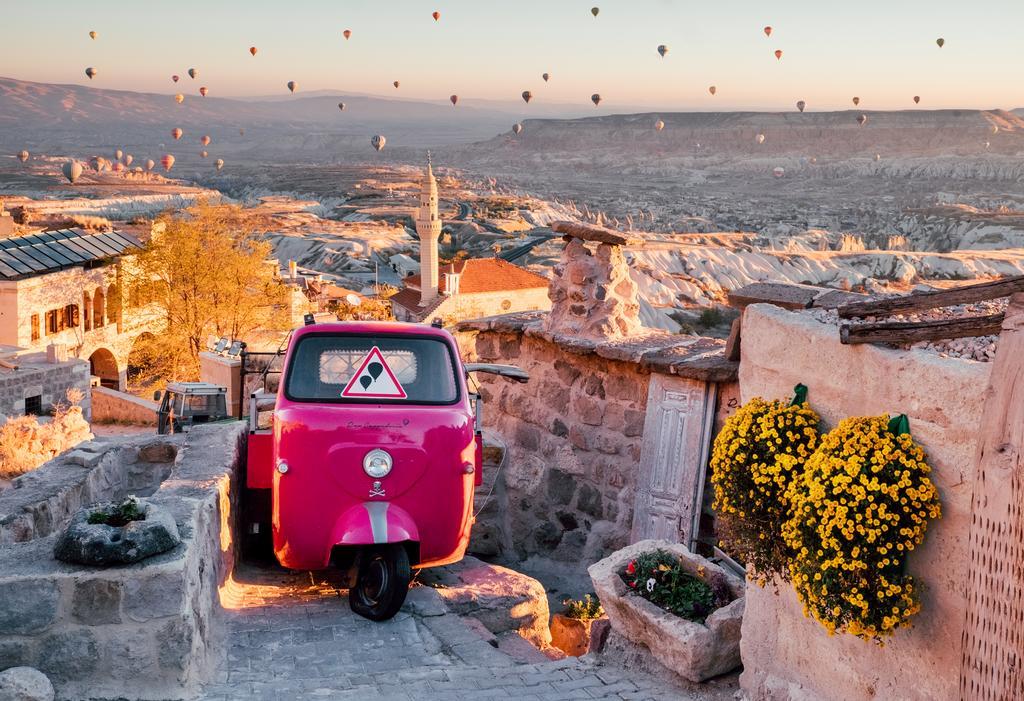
(377, 463)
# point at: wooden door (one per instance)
(677, 434)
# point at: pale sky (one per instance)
(881, 50)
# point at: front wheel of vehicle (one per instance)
(382, 582)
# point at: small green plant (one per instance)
(662, 579)
(586, 609)
(120, 514)
(709, 318)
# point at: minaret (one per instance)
(428, 226)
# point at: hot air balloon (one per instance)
(987, 144)
(167, 162)
(527, 96)
(72, 170)
(517, 128)
(941, 42)
(203, 90)
(546, 77)
(128, 159)
(253, 50)
(454, 99)
(800, 105)
(778, 171)
(176, 133)
(192, 73)
(292, 85)
(994, 129)
(917, 99)
(396, 84)
(878, 157)
(98, 163)
(768, 31)
(179, 98)
(436, 15)
(175, 78)
(595, 10)
(22, 156)
(117, 167)
(118, 154)
(93, 35)
(91, 72)
(218, 164)
(150, 164)
(341, 106)
(659, 125)
(814, 159)
(778, 54)
(205, 140)
(596, 99)
(862, 119)
(662, 49)
(856, 101)
(712, 89)
(760, 138)
(347, 33)
(203, 154)
(378, 142)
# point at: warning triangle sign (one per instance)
(374, 380)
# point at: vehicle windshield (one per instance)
(372, 369)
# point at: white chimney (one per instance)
(293, 270)
(451, 283)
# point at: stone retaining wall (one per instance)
(144, 631)
(789, 657)
(42, 501)
(573, 433)
(111, 406)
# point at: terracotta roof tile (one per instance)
(485, 275)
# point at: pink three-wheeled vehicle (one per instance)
(372, 456)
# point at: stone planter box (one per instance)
(692, 650)
(575, 637)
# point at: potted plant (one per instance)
(571, 630)
(686, 609)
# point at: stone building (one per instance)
(466, 289)
(66, 289)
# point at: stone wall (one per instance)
(150, 630)
(572, 434)
(787, 656)
(48, 381)
(111, 406)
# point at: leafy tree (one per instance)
(207, 274)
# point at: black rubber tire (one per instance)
(382, 581)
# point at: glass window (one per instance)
(323, 367)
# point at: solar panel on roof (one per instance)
(55, 253)
(7, 271)
(101, 241)
(12, 262)
(74, 245)
(37, 252)
(95, 251)
(27, 260)
(67, 251)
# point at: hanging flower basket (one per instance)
(695, 649)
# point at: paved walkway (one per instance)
(292, 636)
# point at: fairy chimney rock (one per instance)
(592, 294)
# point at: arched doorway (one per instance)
(103, 364)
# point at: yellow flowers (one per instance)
(759, 451)
(861, 502)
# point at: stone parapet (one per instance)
(149, 630)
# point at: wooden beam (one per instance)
(922, 301)
(992, 646)
(914, 331)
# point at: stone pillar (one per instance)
(592, 294)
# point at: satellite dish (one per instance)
(353, 300)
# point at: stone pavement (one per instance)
(291, 635)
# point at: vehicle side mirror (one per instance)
(156, 395)
(509, 371)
